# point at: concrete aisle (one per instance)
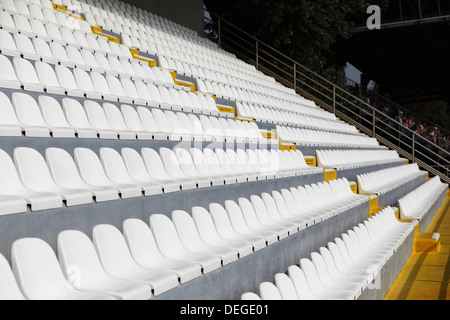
(426, 276)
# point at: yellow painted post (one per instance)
(330, 174)
(427, 243)
(311, 161)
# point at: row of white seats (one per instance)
(111, 84)
(144, 41)
(99, 48)
(416, 204)
(304, 116)
(343, 269)
(382, 181)
(313, 137)
(58, 178)
(84, 52)
(40, 76)
(23, 115)
(146, 260)
(306, 119)
(347, 159)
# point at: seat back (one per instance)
(9, 289)
(77, 252)
(75, 114)
(25, 71)
(33, 170)
(7, 114)
(37, 270)
(90, 167)
(96, 115)
(286, 287)
(268, 291)
(27, 110)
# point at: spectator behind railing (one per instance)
(424, 128)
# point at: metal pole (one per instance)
(420, 9)
(334, 99)
(220, 33)
(373, 123)
(295, 77)
(257, 55)
(414, 148)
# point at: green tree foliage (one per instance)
(305, 30)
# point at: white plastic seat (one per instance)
(277, 208)
(13, 186)
(130, 91)
(250, 296)
(26, 47)
(251, 218)
(133, 122)
(286, 287)
(318, 288)
(174, 170)
(117, 172)
(60, 53)
(65, 173)
(138, 171)
(102, 86)
(191, 240)
(343, 282)
(209, 234)
(149, 123)
(189, 168)
(93, 173)
(211, 160)
(27, 75)
(84, 82)
(116, 121)
(29, 115)
(208, 169)
(68, 82)
(269, 291)
(97, 118)
(43, 50)
(48, 79)
(7, 23)
(9, 289)
(240, 224)
(90, 61)
(171, 246)
(116, 87)
(8, 46)
(35, 175)
(8, 77)
(77, 118)
(39, 274)
(116, 259)
(23, 25)
(227, 231)
(75, 56)
(228, 166)
(263, 215)
(76, 251)
(10, 126)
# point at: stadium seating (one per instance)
(346, 267)
(381, 181)
(162, 173)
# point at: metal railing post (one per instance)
(220, 32)
(373, 123)
(257, 56)
(295, 77)
(334, 99)
(414, 148)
